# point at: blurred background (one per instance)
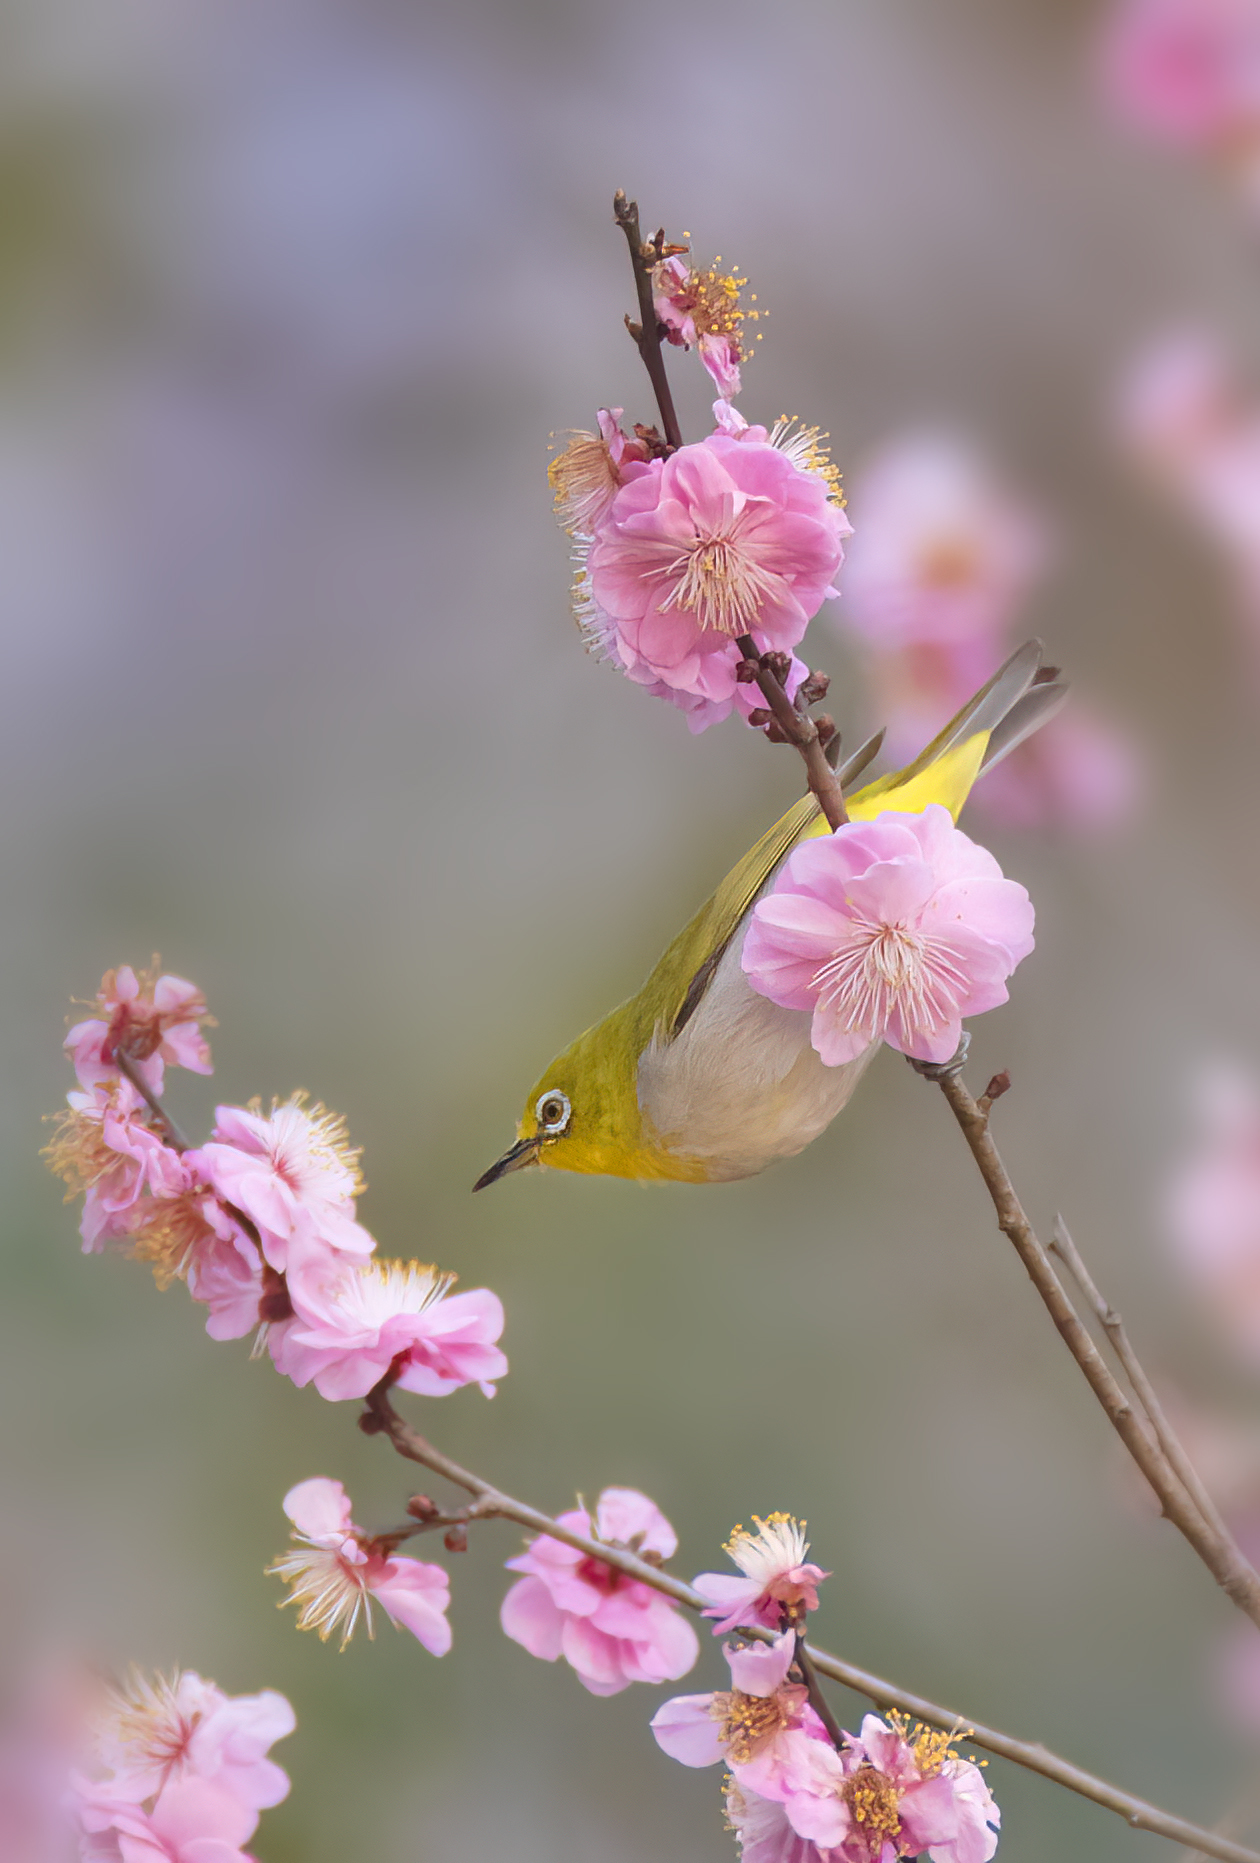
(292, 295)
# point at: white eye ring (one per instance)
(553, 1111)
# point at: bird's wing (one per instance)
(1000, 716)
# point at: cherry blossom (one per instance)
(894, 1791)
(889, 930)
(353, 1319)
(292, 1171)
(777, 1585)
(152, 1019)
(724, 538)
(611, 1629)
(335, 1570)
(762, 1726)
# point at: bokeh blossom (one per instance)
(762, 1726)
(889, 930)
(1213, 1204)
(611, 1629)
(1188, 73)
(187, 1772)
(775, 1587)
(335, 1570)
(353, 1319)
(894, 1791)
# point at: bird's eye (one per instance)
(552, 1112)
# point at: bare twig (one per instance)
(1062, 1245)
(800, 731)
(647, 332)
(817, 1700)
(381, 1418)
(1214, 1545)
(126, 1066)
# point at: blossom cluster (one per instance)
(943, 558)
(184, 1772)
(683, 552)
(260, 1221)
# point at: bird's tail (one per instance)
(1021, 696)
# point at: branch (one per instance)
(1205, 1532)
(647, 332)
(380, 1418)
(170, 1131)
(800, 730)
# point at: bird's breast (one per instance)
(740, 1085)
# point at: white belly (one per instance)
(741, 1085)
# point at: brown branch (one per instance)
(800, 731)
(1062, 1245)
(647, 332)
(817, 1700)
(126, 1066)
(381, 1418)
(1215, 1547)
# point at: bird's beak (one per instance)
(515, 1158)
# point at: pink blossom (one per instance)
(1185, 70)
(224, 1272)
(104, 1150)
(895, 1791)
(611, 1629)
(335, 1570)
(156, 1733)
(942, 553)
(587, 475)
(762, 1830)
(291, 1171)
(762, 1727)
(725, 538)
(889, 930)
(152, 1019)
(776, 1583)
(353, 1319)
(192, 1822)
(1214, 1203)
(701, 310)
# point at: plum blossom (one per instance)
(762, 1830)
(701, 310)
(725, 538)
(151, 1019)
(292, 1172)
(889, 930)
(587, 475)
(105, 1152)
(1213, 1203)
(192, 1822)
(353, 1319)
(1188, 72)
(894, 1791)
(152, 1733)
(611, 1629)
(776, 1587)
(762, 1726)
(335, 1570)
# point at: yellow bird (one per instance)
(699, 1079)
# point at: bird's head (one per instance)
(582, 1113)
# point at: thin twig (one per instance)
(1062, 1245)
(817, 1700)
(647, 332)
(800, 731)
(1215, 1547)
(381, 1418)
(174, 1137)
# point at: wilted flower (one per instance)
(701, 310)
(722, 539)
(151, 1019)
(292, 1172)
(777, 1584)
(889, 930)
(335, 1570)
(895, 1791)
(352, 1320)
(762, 1726)
(590, 471)
(611, 1629)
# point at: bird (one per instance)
(699, 1079)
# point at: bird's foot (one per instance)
(943, 1070)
